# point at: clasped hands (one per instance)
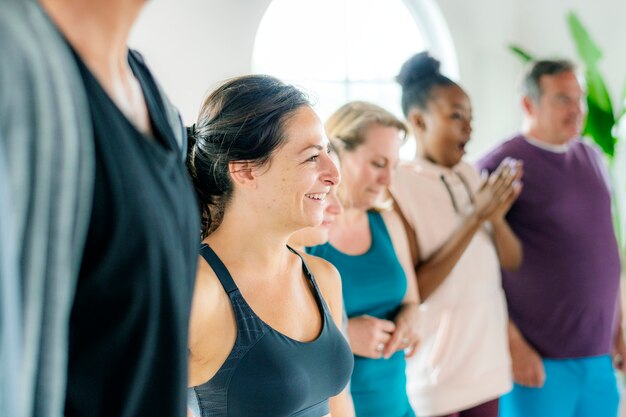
(376, 338)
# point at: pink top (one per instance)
(463, 359)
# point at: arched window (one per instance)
(342, 50)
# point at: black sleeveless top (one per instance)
(269, 374)
(128, 325)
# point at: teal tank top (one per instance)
(374, 284)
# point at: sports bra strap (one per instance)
(227, 280)
(219, 268)
(305, 267)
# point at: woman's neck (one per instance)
(257, 240)
(350, 218)
(351, 233)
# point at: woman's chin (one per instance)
(314, 221)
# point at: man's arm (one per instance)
(619, 348)
(527, 365)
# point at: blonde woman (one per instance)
(371, 252)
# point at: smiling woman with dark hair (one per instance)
(264, 336)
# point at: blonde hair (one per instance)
(346, 129)
(347, 125)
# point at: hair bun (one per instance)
(417, 68)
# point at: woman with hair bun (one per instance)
(461, 240)
(264, 332)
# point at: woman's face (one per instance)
(367, 170)
(446, 126)
(300, 174)
(318, 235)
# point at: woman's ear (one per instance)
(416, 118)
(243, 173)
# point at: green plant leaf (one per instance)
(597, 91)
(599, 126)
(622, 104)
(521, 53)
(587, 49)
(600, 116)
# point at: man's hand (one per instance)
(619, 352)
(528, 367)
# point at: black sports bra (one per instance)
(269, 374)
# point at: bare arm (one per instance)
(507, 244)
(619, 349)
(433, 271)
(492, 201)
(527, 365)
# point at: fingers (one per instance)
(393, 344)
(484, 180)
(368, 335)
(381, 334)
(507, 194)
(411, 349)
(539, 376)
(502, 181)
(496, 190)
(505, 184)
(528, 369)
(504, 163)
(618, 362)
(404, 337)
(386, 325)
(532, 375)
(508, 171)
(514, 192)
(378, 343)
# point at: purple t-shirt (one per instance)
(564, 296)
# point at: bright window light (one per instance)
(338, 50)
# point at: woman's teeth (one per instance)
(319, 197)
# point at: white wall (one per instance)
(193, 44)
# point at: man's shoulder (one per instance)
(16, 35)
(31, 41)
(580, 145)
(509, 147)
(22, 26)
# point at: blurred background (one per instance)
(341, 50)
